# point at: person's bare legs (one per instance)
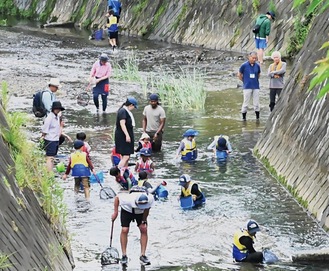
(50, 163)
(144, 238)
(124, 240)
(124, 161)
(260, 55)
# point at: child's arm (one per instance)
(90, 164)
(152, 166)
(140, 146)
(137, 167)
(180, 148)
(68, 169)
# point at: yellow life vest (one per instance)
(236, 239)
(112, 20)
(141, 182)
(189, 146)
(80, 158)
(187, 191)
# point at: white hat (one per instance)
(54, 82)
(185, 178)
(144, 135)
(143, 201)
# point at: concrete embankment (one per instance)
(295, 142)
(27, 237)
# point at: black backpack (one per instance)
(38, 107)
(256, 28)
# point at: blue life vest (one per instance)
(221, 155)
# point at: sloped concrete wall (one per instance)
(25, 233)
(210, 23)
(296, 138)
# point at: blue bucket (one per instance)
(186, 202)
(98, 34)
(161, 191)
(100, 176)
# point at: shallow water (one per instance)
(236, 191)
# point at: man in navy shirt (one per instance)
(249, 73)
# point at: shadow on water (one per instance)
(237, 190)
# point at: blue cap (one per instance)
(133, 101)
(190, 132)
(145, 152)
(154, 97)
(252, 227)
(272, 14)
(78, 144)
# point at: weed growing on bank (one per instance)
(180, 89)
(30, 171)
(4, 261)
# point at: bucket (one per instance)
(161, 191)
(186, 202)
(98, 34)
(60, 167)
(100, 176)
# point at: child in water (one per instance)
(144, 142)
(187, 148)
(86, 147)
(145, 163)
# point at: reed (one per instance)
(128, 70)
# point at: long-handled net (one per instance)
(110, 255)
(83, 99)
(106, 192)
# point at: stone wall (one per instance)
(25, 233)
(295, 141)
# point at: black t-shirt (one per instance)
(194, 191)
(248, 243)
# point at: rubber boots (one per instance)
(257, 115)
(244, 116)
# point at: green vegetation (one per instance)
(300, 32)
(321, 71)
(281, 179)
(3, 22)
(272, 6)
(8, 8)
(236, 34)
(30, 168)
(45, 14)
(180, 17)
(79, 12)
(86, 23)
(158, 15)
(140, 7)
(239, 9)
(255, 6)
(4, 261)
(184, 89)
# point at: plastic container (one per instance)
(100, 176)
(186, 202)
(60, 167)
(161, 191)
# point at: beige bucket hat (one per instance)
(54, 82)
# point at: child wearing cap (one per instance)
(145, 163)
(190, 188)
(144, 142)
(187, 148)
(86, 147)
(124, 177)
(81, 165)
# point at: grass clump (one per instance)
(180, 17)
(255, 6)
(139, 7)
(4, 261)
(239, 9)
(30, 170)
(272, 6)
(128, 70)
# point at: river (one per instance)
(236, 191)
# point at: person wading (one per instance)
(154, 121)
(249, 74)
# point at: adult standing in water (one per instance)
(124, 132)
(49, 96)
(154, 121)
(99, 74)
(249, 74)
(276, 73)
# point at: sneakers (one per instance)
(144, 260)
(124, 259)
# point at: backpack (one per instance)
(38, 107)
(256, 28)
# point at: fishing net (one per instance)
(107, 193)
(83, 99)
(110, 256)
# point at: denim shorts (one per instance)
(260, 43)
(51, 147)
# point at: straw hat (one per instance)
(54, 82)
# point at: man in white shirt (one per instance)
(134, 206)
(48, 97)
(154, 121)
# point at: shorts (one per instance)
(113, 35)
(51, 147)
(127, 217)
(78, 180)
(260, 43)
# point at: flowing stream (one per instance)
(236, 191)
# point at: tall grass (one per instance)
(30, 168)
(185, 89)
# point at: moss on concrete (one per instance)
(180, 17)
(293, 191)
(45, 14)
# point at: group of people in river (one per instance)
(135, 204)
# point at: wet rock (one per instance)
(312, 256)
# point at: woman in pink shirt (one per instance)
(100, 73)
